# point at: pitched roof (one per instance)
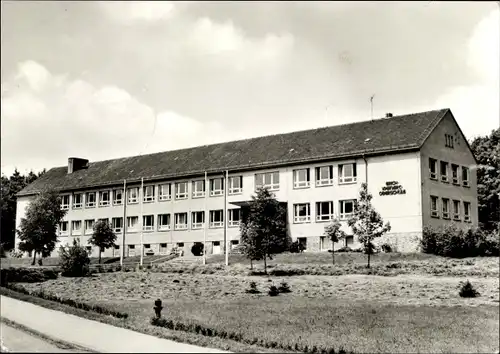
(386, 135)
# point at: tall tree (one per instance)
(103, 236)
(264, 230)
(38, 230)
(366, 223)
(486, 149)
(334, 232)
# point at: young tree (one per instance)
(335, 234)
(103, 236)
(74, 260)
(38, 230)
(265, 234)
(249, 245)
(366, 223)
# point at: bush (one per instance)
(25, 275)
(197, 249)
(15, 254)
(284, 288)
(74, 260)
(296, 247)
(386, 248)
(467, 290)
(2, 251)
(273, 291)
(253, 288)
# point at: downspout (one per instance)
(225, 218)
(122, 253)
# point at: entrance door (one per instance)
(216, 247)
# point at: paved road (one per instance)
(15, 340)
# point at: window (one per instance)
(148, 223)
(216, 186)
(118, 197)
(117, 224)
(181, 222)
(63, 228)
(149, 194)
(322, 242)
(324, 176)
(65, 202)
(132, 223)
(448, 140)
(346, 208)
(77, 200)
(456, 210)
(104, 198)
(234, 217)
(90, 200)
(349, 240)
(434, 207)
(454, 174)
(116, 251)
(89, 250)
(235, 184)
(165, 191)
(131, 250)
(303, 242)
(444, 171)
(301, 178)
(216, 218)
(198, 189)
(104, 219)
(324, 211)
(163, 248)
(465, 176)
(301, 213)
(446, 208)
(433, 168)
(164, 222)
(133, 195)
(347, 173)
(467, 211)
(89, 226)
(270, 180)
(197, 219)
(180, 244)
(76, 227)
(181, 190)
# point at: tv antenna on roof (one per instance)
(371, 104)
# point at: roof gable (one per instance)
(386, 135)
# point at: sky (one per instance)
(103, 80)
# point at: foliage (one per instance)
(2, 251)
(263, 228)
(253, 289)
(273, 291)
(9, 188)
(26, 275)
(366, 223)
(13, 253)
(284, 288)
(467, 290)
(37, 231)
(296, 247)
(197, 249)
(387, 248)
(451, 241)
(74, 260)
(103, 236)
(334, 232)
(486, 149)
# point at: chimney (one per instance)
(388, 115)
(76, 163)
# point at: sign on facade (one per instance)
(392, 188)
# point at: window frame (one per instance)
(162, 226)
(113, 224)
(195, 193)
(230, 217)
(106, 202)
(433, 175)
(216, 192)
(164, 197)
(76, 205)
(148, 197)
(163, 250)
(273, 186)
(177, 225)
(445, 213)
(300, 184)
(323, 182)
(134, 200)
(348, 179)
(116, 200)
(443, 177)
(197, 225)
(235, 190)
(181, 195)
(456, 213)
(455, 179)
(77, 231)
(345, 216)
(66, 232)
(301, 219)
(466, 181)
(331, 216)
(134, 228)
(434, 208)
(467, 211)
(89, 204)
(90, 230)
(145, 227)
(216, 224)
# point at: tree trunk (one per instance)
(100, 250)
(251, 264)
(34, 258)
(265, 264)
(333, 256)
(369, 251)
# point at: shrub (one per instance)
(467, 290)
(74, 260)
(253, 288)
(15, 254)
(386, 248)
(2, 251)
(197, 249)
(26, 275)
(273, 291)
(284, 288)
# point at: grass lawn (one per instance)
(362, 313)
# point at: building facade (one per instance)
(419, 169)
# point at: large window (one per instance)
(149, 193)
(63, 228)
(197, 219)
(454, 174)
(216, 218)
(467, 211)
(216, 186)
(104, 198)
(324, 176)
(117, 224)
(465, 176)
(235, 184)
(65, 202)
(77, 200)
(234, 217)
(456, 210)
(433, 168)
(444, 171)
(164, 222)
(301, 178)
(198, 189)
(132, 223)
(133, 195)
(301, 213)
(181, 222)
(434, 206)
(76, 227)
(347, 173)
(270, 180)
(446, 208)
(90, 200)
(324, 211)
(89, 226)
(148, 223)
(346, 208)
(118, 197)
(181, 190)
(165, 191)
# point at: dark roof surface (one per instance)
(387, 135)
